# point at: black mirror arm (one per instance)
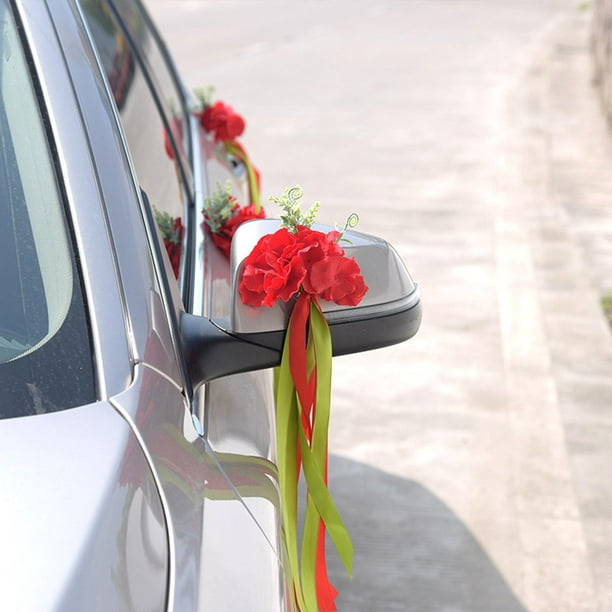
(211, 352)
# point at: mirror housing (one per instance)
(252, 338)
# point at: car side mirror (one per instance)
(252, 338)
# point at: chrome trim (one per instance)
(198, 304)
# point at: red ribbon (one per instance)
(305, 385)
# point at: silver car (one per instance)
(137, 431)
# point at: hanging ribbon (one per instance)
(303, 398)
(237, 150)
(297, 262)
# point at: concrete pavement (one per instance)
(471, 464)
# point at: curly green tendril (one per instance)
(291, 203)
(292, 217)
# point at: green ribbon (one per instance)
(287, 451)
(294, 448)
(237, 150)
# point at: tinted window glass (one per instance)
(153, 151)
(149, 47)
(45, 352)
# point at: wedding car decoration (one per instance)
(303, 266)
(223, 214)
(176, 129)
(171, 229)
(225, 125)
(222, 211)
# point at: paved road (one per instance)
(472, 463)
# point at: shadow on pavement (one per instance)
(412, 553)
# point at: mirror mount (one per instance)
(211, 352)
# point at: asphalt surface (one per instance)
(472, 463)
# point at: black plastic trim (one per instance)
(211, 352)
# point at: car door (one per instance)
(220, 486)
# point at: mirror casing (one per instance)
(252, 338)
(390, 286)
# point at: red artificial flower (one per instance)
(220, 120)
(315, 246)
(283, 263)
(272, 270)
(223, 237)
(167, 145)
(338, 279)
(176, 129)
(173, 247)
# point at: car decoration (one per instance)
(223, 214)
(300, 264)
(225, 125)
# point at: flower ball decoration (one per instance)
(223, 214)
(297, 263)
(171, 230)
(225, 125)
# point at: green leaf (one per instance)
(291, 202)
(219, 208)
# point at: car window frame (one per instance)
(188, 285)
(187, 176)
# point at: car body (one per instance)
(138, 426)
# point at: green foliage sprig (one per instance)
(219, 208)
(204, 95)
(167, 226)
(291, 203)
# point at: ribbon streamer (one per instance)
(303, 398)
(237, 150)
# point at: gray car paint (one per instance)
(69, 538)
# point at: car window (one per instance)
(153, 54)
(45, 349)
(154, 139)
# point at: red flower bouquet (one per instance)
(223, 214)
(283, 263)
(299, 262)
(171, 229)
(225, 125)
(176, 129)
(222, 122)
